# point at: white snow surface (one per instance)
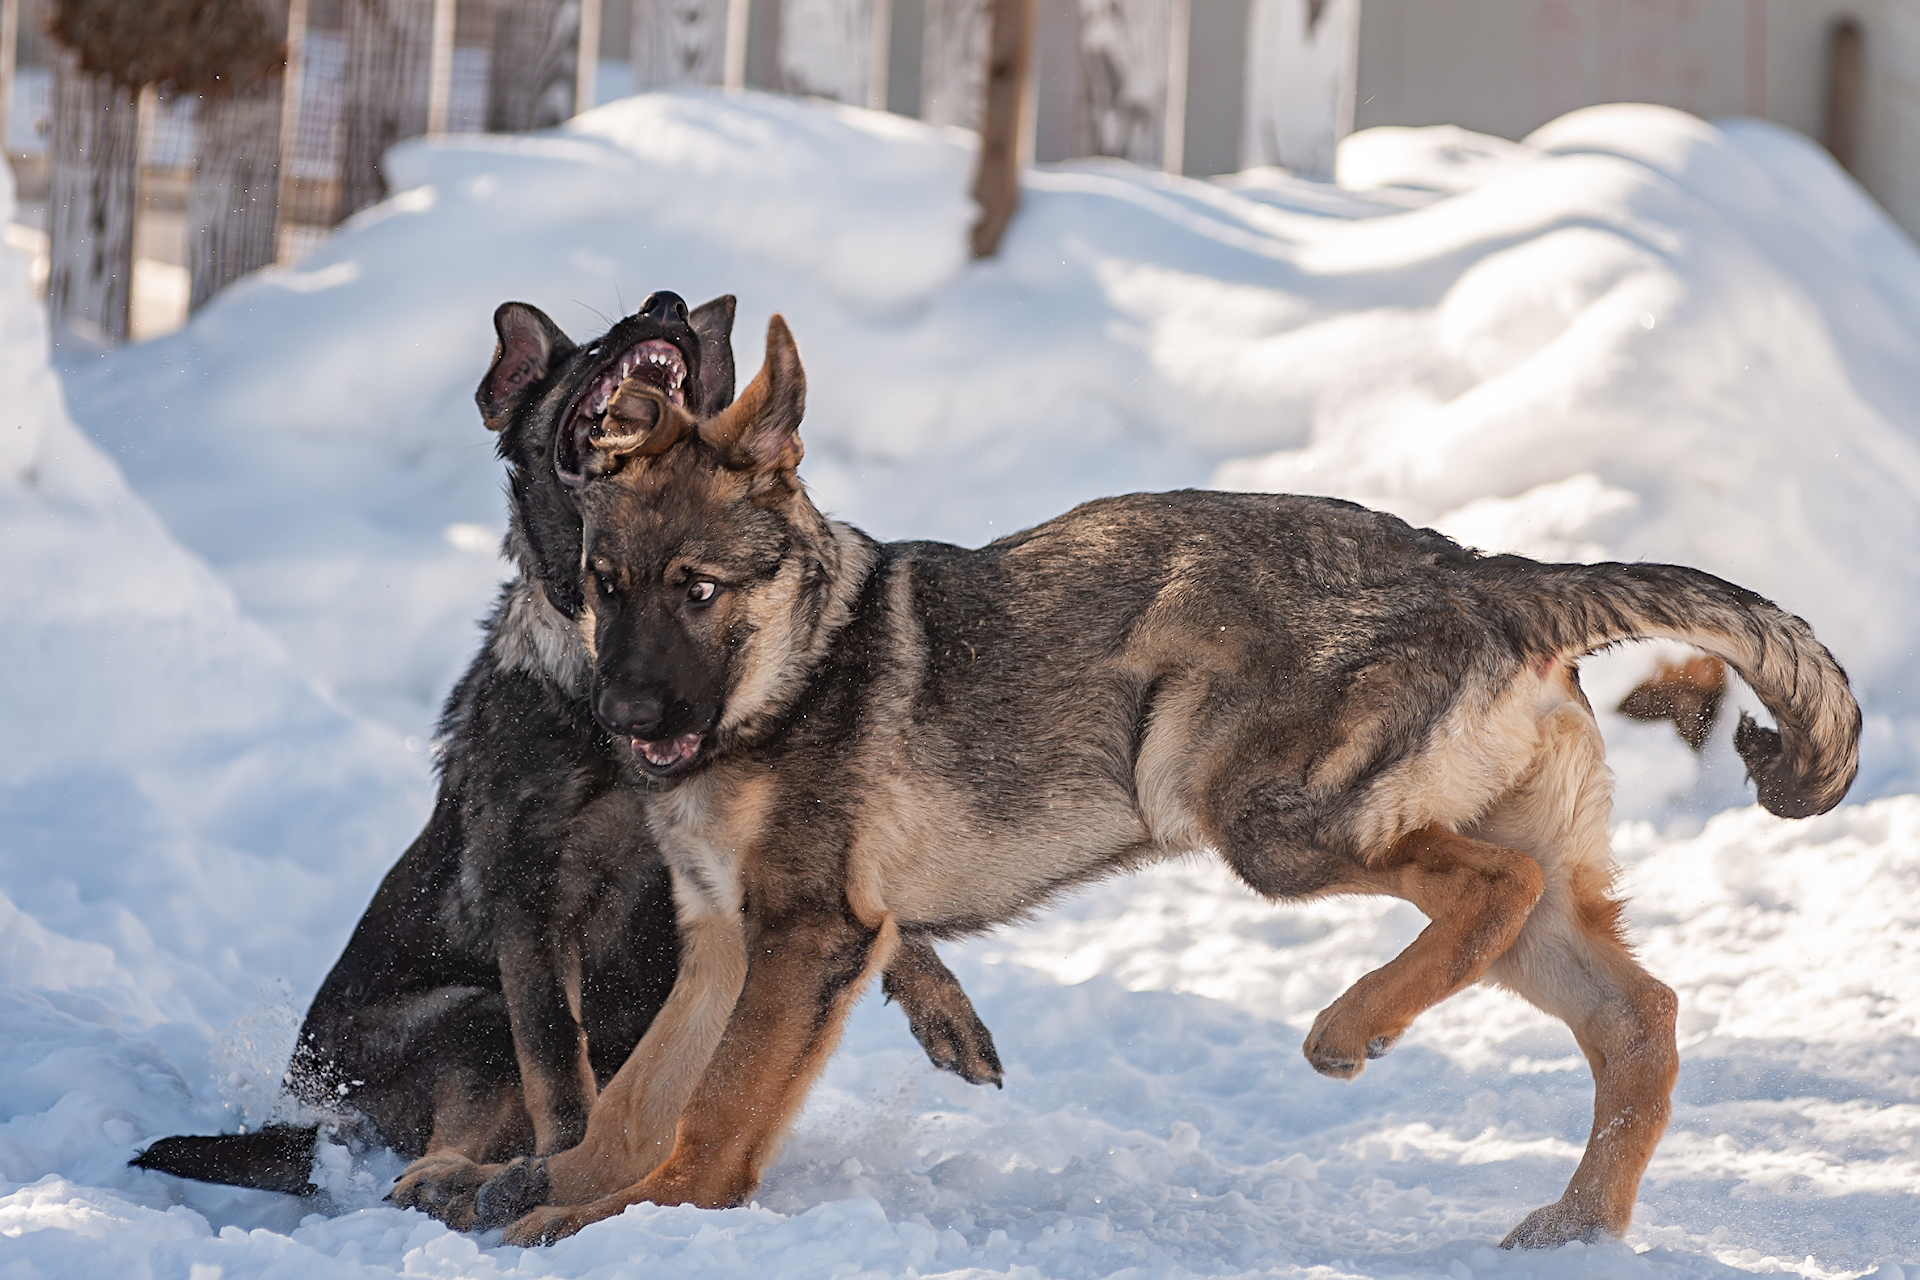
(230, 606)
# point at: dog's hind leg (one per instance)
(1477, 895)
(1572, 962)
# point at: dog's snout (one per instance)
(635, 714)
(664, 306)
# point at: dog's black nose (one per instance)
(664, 306)
(634, 714)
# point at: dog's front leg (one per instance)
(805, 973)
(941, 1015)
(632, 1125)
(540, 976)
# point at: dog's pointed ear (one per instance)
(530, 346)
(761, 430)
(713, 324)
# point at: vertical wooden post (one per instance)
(586, 63)
(1173, 147)
(733, 73)
(388, 52)
(95, 150)
(293, 88)
(996, 187)
(540, 57)
(1846, 72)
(440, 67)
(9, 56)
(880, 56)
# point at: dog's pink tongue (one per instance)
(668, 751)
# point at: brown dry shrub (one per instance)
(212, 47)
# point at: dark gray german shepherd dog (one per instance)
(849, 744)
(520, 949)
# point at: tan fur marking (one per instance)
(631, 1128)
(1477, 895)
(1477, 753)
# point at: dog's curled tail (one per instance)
(273, 1158)
(1802, 768)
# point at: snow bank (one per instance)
(182, 813)
(1632, 335)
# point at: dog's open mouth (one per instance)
(669, 753)
(655, 360)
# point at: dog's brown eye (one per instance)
(700, 592)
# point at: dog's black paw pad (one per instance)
(512, 1193)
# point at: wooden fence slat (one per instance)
(678, 43)
(234, 194)
(1123, 78)
(94, 149)
(826, 48)
(388, 50)
(953, 63)
(1301, 58)
(534, 62)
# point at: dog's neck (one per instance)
(529, 634)
(847, 558)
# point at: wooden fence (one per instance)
(1194, 86)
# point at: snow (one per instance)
(230, 606)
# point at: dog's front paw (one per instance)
(443, 1184)
(550, 1223)
(520, 1187)
(1553, 1225)
(1342, 1040)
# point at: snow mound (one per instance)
(183, 814)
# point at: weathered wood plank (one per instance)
(530, 75)
(678, 43)
(1122, 109)
(1301, 56)
(827, 48)
(234, 196)
(94, 151)
(953, 63)
(389, 47)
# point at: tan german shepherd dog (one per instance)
(851, 742)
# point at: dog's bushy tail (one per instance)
(274, 1158)
(1802, 768)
